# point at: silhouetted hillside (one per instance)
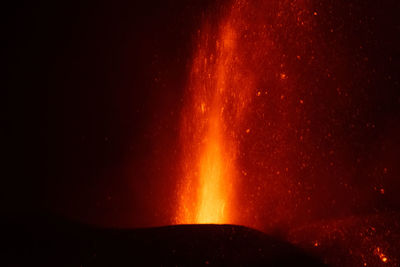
(52, 241)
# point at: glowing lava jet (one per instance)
(236, 60)
(277, 128)
(217, 95)
(209, 164)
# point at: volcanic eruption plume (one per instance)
(240, 56)
(219, 91)
(279, 126)
(216, 128)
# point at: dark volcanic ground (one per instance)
(52, 241)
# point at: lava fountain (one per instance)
(240, 56)
(215, 106)
(279, 128)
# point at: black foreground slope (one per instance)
(55, 242)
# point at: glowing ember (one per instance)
(381, 255)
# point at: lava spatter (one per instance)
(278, 131)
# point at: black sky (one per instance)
(95, 89)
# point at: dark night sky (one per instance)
(95, 93)
(95, 97)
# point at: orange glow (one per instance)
(263, 122)
(212, 194)
(381, 255)
(217, 96)
(209, 169)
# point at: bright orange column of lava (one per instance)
(208, 168)
(216, 97)
(212, 196)
(269, 116)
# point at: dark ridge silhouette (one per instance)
(53, 241)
